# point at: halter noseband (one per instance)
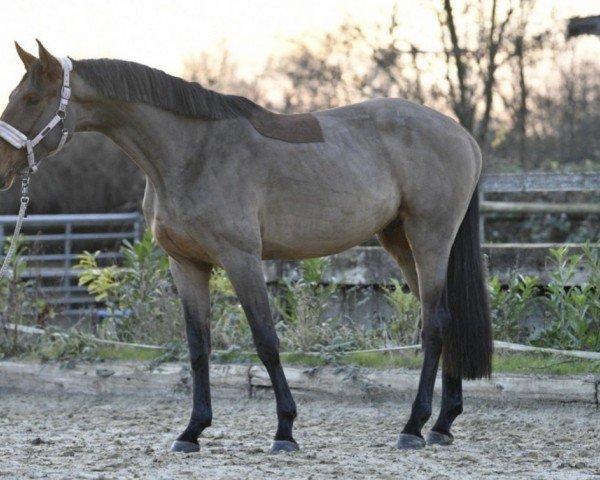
(19, 140)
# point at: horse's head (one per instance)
(32, 107)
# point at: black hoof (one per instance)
(406, 441)
(284, 446)
(181, 446)
(437, 438)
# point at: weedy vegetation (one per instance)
(139, 305)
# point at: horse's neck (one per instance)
(154, 139)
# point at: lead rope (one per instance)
(4, 272)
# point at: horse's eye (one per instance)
(32, 101)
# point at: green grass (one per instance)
(543, 363)
(128, 354)
(100, 353)
(504, 361)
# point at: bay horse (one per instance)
(230, 183)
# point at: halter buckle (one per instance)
(25, 189)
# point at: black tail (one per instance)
(467, 348)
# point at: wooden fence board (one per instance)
(116, 378)
(540, 182)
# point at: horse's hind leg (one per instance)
(452, 407)
(192, 284)
(431, 242)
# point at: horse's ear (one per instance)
(51, 67)
(26, 58)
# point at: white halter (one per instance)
(19, 140)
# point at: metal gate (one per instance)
(51, 244)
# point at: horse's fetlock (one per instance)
(288, 414)
(456, 410)
(422, 412)
(201, 419)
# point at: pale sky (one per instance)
(163, 33)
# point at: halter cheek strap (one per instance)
(19, 140)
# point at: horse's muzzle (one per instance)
(6, 181)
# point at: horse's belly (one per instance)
(310, 230)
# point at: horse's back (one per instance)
(432, 158)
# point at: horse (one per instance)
(230, 183)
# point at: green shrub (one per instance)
(403, 327)
(21, 304)
(511, 305)
(301, 306)
(305, 323)
(142, 305)
(229, 326)
(66, 346)
(572, 312)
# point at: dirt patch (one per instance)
(112, 437)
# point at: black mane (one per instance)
(136, 83)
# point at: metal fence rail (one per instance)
(52, 243)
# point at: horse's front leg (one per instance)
(246, 275)
(192, 284)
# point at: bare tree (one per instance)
(315, 75)
(524, 53)
(351, 64)
(565, 115)
(471, 72)
(218, 71)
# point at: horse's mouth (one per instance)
(6, 181)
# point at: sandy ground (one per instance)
(71, 437)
